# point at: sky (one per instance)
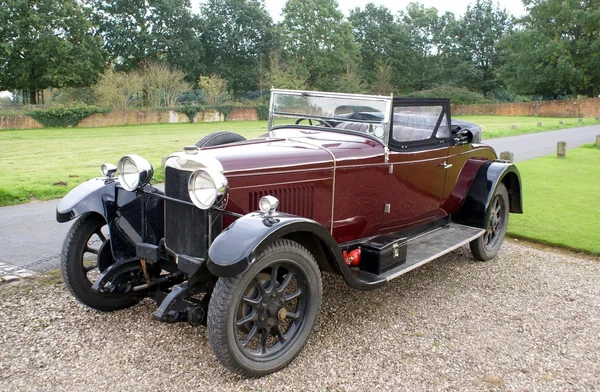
(457, 7)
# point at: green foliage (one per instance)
(457, 95)
(118, 90)
(225, 110)
(162, 86)
(286, 75)
(190, 110)
(62, 116)
(263, 112)
(48, 43)
(237, 35)
(71, 96)
(556, 52)
(316, 36)
(152, 30)
(214, 89)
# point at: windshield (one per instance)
(345, 112)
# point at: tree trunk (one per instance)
(33, 97)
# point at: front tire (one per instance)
(487, 246)
(260, 320)
(86, 253)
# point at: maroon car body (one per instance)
(366, 187)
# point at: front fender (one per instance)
(240, 244)
(490, 175)
(90, 196)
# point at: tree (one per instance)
(383, 85)
(477, 34)
(557, 50)
(291, 75)
(424, 69)
(47, 43)
(214, 88)
(315, 33)
(162, 86)
(137, 31)
(380, 38)
(236, 34)
(118, 90)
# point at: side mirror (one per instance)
(461, 136)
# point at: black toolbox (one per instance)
(381, 253)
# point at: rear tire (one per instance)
(81, 264)
(487, 246)
(260, 320)
(219, 138)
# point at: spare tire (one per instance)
(218, 138)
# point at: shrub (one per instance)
(61, 116)
(190, 111)
(118, 90)
(214, 89)
(225, 110)
(457, 95)
(162, 86)
(263, 112)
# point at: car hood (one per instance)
(292, 150)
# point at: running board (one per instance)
(431, 245)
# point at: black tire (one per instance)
(257, 305)
(218, 138)
(487, 246)
(80, 262)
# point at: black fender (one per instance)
(475, 209)
(121, 209)
(240, 244)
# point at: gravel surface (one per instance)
(528, 320)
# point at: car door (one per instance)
(418, 143)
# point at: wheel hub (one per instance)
(271, 309)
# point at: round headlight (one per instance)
(268, 204)
(108, 169)
(134, 172)
(208, 188)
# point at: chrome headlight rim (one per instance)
(134, 172)
(218, 187)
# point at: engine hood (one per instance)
(293, 149)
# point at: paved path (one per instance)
(543, 143)
(30, 232)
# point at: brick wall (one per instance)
(589, 107)
(138, 117)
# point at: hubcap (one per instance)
(495, 228)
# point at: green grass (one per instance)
(500, 126)
(560, 198)
(43, 164)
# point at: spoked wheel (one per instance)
(260, 320)
(487, 246)
(86, 253)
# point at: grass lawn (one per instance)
(560, 198)
(45, 164)
(500, 126)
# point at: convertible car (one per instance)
(365, 187)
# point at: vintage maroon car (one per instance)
(365, 187)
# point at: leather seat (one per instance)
(405, 134)
(359, 127)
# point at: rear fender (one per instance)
(475, 210)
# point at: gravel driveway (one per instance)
(528, 320)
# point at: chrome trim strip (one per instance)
(412, 267)
(334, 170)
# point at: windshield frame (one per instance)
(361, 100)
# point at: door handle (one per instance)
(444, 165)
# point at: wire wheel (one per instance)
(487, 246)
(86, 253)
(272, 311)
(261, 319)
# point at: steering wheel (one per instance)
(318, 122)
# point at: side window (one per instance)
(418, 123)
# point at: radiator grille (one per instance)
(296, 200)
(185, 225)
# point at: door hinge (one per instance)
(391, 169)
(387, 209)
